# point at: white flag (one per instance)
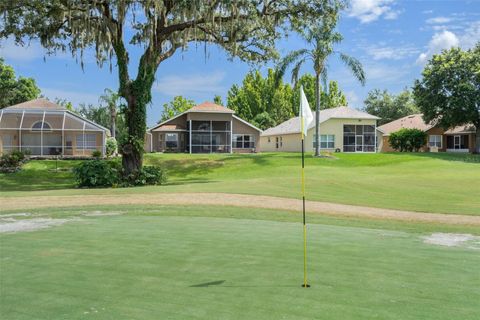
(305, 112)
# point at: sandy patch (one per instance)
(453, 240)
(101, 213)
(12, 225)
(21, 214)
(236, 200)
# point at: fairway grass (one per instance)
(425, 182)
(201, 262)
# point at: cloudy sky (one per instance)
(392, 38)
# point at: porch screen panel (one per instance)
(359, 138)
(210, 136)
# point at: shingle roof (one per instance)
(210, 107)
(169, 127)
(414, 121)
(468, 128)
(293, 125)
(37, 104)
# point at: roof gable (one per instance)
(37, 104)
(413, 121)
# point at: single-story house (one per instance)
(205, 128)
(458, 139)
(341, 129)
(47, 129)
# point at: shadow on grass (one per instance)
(446, 156)
(221, 282)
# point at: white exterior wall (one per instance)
(292, 142)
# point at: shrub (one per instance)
(12, 162)
(103, 173)
(97, 154)
(148, 175)
(407, 140)
(96, 173)
(110, 147)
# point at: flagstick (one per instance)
(305, 284)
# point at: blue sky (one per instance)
(392, 38)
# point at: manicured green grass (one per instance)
(229, 263)
(443, 183)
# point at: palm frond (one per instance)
(296, 71)
(282, 67)
(355, 67)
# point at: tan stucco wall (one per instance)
(291, 142)
(207, 116)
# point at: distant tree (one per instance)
(260, 100)
(332, 98)
(449, 91)
(407, 140)
(15, 90)
(390, 107)
(178, 105)
(98, 114)
(218, 100)
(64, 103)
(321, 37)
(112, 99)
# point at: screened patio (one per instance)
(49, 132)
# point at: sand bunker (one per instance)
(453, 240)
(12, 225)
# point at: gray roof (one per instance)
(293, 125)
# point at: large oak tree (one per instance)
(244, 28)
(449, 91)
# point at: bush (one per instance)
(149, 175)
(103, 173)
(110, 147)
(407, 140)
(97, 154)
(12, 162)
(96, 173)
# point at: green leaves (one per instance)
(178, 105)
(407, 140)
(13, 90)
(449, 91)
(390, 107)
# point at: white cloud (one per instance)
(175, 85)
(385, 74)
(352, 98)
(75, 97)
(391, 53)
(10, 51)
(440, 40)
(447, 39)
(439, 20)
(370, 10)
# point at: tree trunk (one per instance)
(317, 115)
(477, 146)
(112, 125)
(133, 148)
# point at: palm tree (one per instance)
(111, 99)
(322, 38)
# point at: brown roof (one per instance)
(169, 127)
(414, 121)
(210, 107)
(468, 128)
(37, 104)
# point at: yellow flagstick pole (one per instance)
(305, 284)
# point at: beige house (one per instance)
(46, 129)
(205, 128)
(341, 129)
(459, 139)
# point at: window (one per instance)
(435, 141)
(359, 138)
(327, 141)
(37, 126)
(243, 141)
(87, 141)
(276, 142)
(281, 142)
(268, 139)
(171, 140)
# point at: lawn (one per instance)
(228, 263)
(440, 183)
